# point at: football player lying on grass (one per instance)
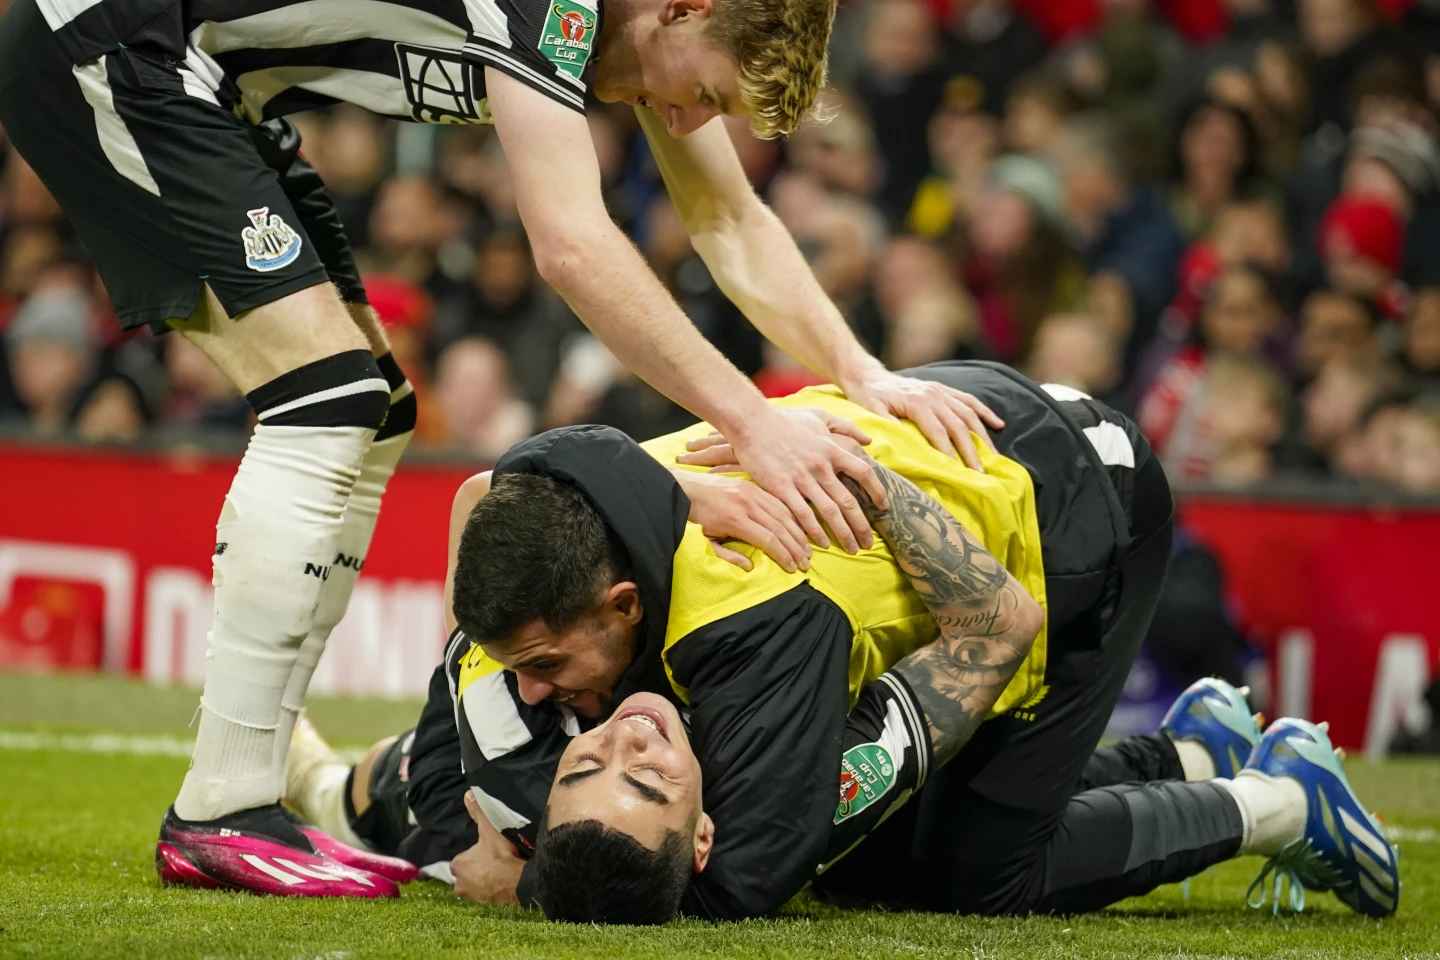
(577, 575)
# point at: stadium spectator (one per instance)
(409, 225)
(1128, 239)
(504, 301)
(1340, 36)
(909, 267)
(1251, 26)
(841, 153)
(1397, 163)
(1418, 469)
(1021, 266)
(1247, 410)
(350, 151)
(993, 46)
(1249, 231)
(667, 247)
(1075, 350)
(1240, 315)
(939, 324)
(482, 415)
(199, 396)
(52, 348)
(1422, 339)
(1334, 416)
(963, 142)
(1377, 453)
(28, 249)
(406, 313)
(1035, 113)
(900, 84)
(1252, 230)
(1362, 242)
(592, 387)
(24, 199)
(1217, 161)
(1334, 326)
(113, 406)
(471, 168)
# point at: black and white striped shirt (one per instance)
(409, 59)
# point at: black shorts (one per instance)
(387, 821)
(166, 185)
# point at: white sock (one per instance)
(276, 536)
(361, 514)
(321, 801)
(1272, 808)
(1195, 760)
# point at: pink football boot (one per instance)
(391, 868)
(260, 851)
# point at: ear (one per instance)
(624, 599)
(674, 11)
(704, 840)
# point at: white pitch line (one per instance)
(112, 743)
(96, 743)
(1413, 834)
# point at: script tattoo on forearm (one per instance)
(987, 622)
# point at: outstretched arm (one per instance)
(756, 262)
(597, 271)
(987, 620)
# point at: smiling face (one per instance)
(637, 774)
(580, 665)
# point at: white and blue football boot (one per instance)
(1343, 848)
(1215, 715)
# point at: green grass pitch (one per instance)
(80, 804)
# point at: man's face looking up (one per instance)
(635, 773)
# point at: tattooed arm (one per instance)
(987, 620)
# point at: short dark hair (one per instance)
(587, 872)
(533, 548)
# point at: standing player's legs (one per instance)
(187, 223)
(278, 144)
(279, 528)
(362, 511)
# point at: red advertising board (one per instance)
(1342, 600)
(104, 564)
(133, 533)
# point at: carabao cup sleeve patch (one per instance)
(568, 37)
(867, 773)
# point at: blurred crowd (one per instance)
(1222, 216)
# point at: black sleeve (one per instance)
(885, 761)
(278, 142)
(435, 783)
(548, 45)
(511, 750)
(769, 694)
